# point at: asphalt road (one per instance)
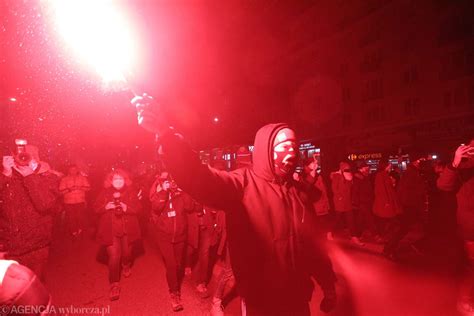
(369, 284)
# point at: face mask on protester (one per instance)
(346, 172)
(285, 153)
(118, 182)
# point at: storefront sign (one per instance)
(365, 156)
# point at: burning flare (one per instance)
(98, 32)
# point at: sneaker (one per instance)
(216, 307)
(329, 236)
(126, 271)
(356, 241)
(176, 302)
(114, 291)
(202, 290)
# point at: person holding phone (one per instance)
(169, 208)
(458, 177)
(118, 208)
(28, 198)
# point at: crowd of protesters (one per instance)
(381, 207)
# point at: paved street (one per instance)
(368, 284)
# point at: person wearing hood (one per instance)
(458, 177)
(272, 236)
(118, 206)
(28, 198)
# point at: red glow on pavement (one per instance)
(98, 32)
(383, 287)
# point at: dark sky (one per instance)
(200, 59)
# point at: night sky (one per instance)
(200, 61)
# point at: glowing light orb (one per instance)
(99, 33)
(13, 99)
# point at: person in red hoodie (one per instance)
(272, 231)
(118, 207)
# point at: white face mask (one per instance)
(118, 182)
(347, 176)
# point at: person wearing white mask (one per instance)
(118, 207)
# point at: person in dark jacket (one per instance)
(363, 200)
(386, 207)
(458, 177)
(225, 281)
(118, 207)
(201, 237)
(342, 184)
(169, 208)
(28, 197)
(272, 232)
(321, 205)
(412, 195)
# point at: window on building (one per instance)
(412, 107)
(456, 28)
(371, 62)
(447, 99)
(347, 119)
(346, 95)
(457, 64)
(343, 70)
(471, 97)
(375, 114)
(410, 75)
(373, 89)
(458, 97)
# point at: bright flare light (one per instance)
(99, 34)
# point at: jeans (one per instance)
(173, 254)
(365, 220)
(404, 223)
(119, 253)
(201, 271)
(348, 218)
(224, 277)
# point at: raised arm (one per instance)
(450, 179)
(211, 187)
